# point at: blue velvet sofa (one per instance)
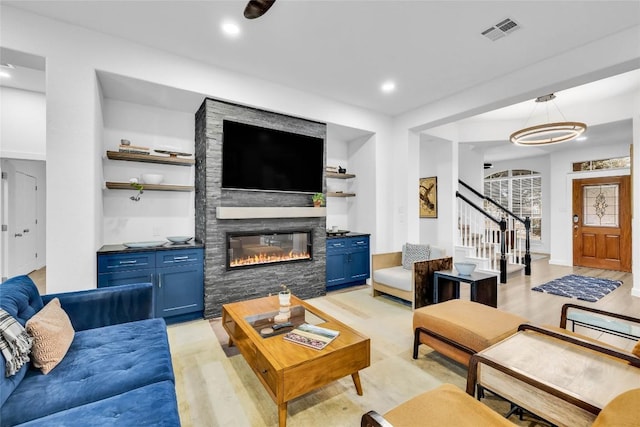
(117, 371)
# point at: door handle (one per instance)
(26, 230)
(17, 235)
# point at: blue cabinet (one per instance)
(176, 274)
(348, 261)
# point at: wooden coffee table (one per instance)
(559, 381)
(288, 370)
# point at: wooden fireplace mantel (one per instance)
(229, 212)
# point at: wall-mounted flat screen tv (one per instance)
(257, 158)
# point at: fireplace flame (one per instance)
(264, 258)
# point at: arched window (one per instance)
(520, 191)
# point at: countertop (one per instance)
(114, 249)
(349, 234)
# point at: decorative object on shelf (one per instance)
(173, 153)
(337, 232)
(548, 133)
(318, 200)
(341, 169)
(464, 268)
(151, 244)
(135, 184)
(179, 239)
(152, 178)
(429, 197)
(331, 169)
(126, 147)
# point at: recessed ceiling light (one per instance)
(388, 86)
(5, 74)
(230, 29)
(582, 138)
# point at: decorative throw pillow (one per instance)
(52, 334)
(636, 349)
(412, 253)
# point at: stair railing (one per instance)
(526, 222)
(502, 223)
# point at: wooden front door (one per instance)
(602, 223)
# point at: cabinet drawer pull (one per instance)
(181, 258)
(129, 262)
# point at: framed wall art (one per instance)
(429, 197)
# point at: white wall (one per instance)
(74, 135)
(362, 211)
(22, 124)
(338, 207)
(471, 166)
(439, 157)
(561, 179)
(158, 214)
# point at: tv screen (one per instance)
(257, 158)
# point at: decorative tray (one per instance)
(144, 244)
(173, 153)
(337, 233)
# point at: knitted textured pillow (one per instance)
(412, 253)
(52, 334)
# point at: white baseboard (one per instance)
(566, 263)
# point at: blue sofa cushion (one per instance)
(20, 298)
(99, 364)
(151, 405)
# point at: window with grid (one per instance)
(520, 191)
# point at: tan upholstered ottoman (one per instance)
(459, 328)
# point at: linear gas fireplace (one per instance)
(245, 250)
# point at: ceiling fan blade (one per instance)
(257, 8)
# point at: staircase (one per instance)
(491, 236)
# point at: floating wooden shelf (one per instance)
(341, 194)
(150, 158)
(340, 175)
(149, 187)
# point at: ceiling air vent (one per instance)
(501, 29)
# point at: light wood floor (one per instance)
(215, 386)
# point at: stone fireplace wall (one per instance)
(306, 280)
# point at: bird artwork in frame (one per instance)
(429, 197)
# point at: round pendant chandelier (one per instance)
(548, 133)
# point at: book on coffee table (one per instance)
(312, 336)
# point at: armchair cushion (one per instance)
(622, 411)
(445, 405)
(396, 277)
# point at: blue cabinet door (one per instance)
(179, 291)
(337, 265)
(180, 287)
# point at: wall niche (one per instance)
(306, 280)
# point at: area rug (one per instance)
(584, 288)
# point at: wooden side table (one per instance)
(484, 286)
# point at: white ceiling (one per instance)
(345, 49)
